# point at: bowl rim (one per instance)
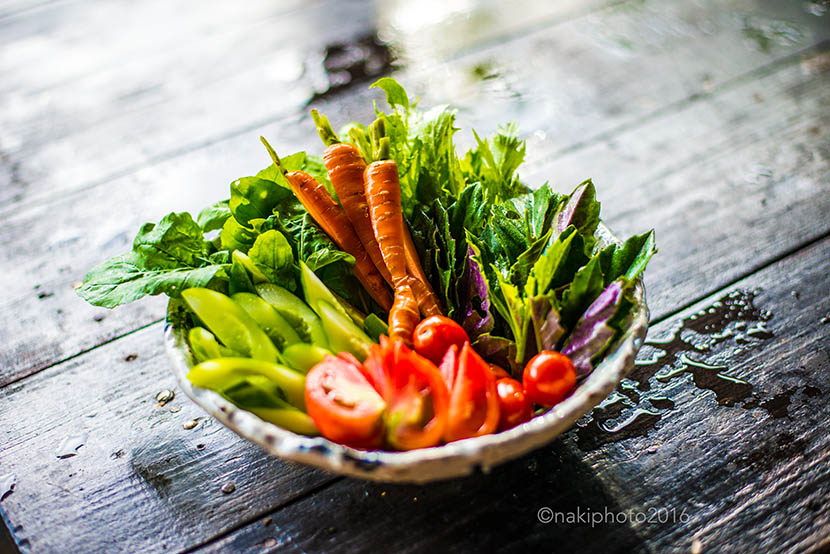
(450, 460)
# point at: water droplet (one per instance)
(70, 445)
(190, 424)
(165, 396)
(270, 542)
(175, 409)
(7, 483)
(228, 487)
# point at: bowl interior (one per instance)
(427, 464)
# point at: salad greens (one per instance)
(517, 266)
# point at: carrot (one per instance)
(325, 211)
(427, 299)
(345, 166)
(383, 195)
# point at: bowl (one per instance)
(455, 459)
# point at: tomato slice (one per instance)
(449, 365)
(415, 393)
(474, 403)
(343, 404)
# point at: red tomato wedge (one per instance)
(414, 391)
(474, 403)
(343, 404)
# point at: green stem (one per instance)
(380, 142)
(324, 129)
(273, 154)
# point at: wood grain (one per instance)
(745, 477)
(778, 189)
(141, 482)
(156, 107)
(168, 85)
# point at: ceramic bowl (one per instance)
(455, 459)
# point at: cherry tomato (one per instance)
(474, 403)
(514, 407)
(434, 335)
(548, 378)
(499, 372)
(343, 404)
(415, 394)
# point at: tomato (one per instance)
(514, 407)
(434, 335)
(448, 366)
(548, 378)
(499, 372)
(474, 403)
(343, 404)
(414, 391)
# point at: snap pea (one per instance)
(256, 275)
(303, 357)
(275, 326)
(342, 332)
(375, 327)
(260, 396)
(223, 373)
(315, 291)
(296, 312)
(205, 346)
(230, 323)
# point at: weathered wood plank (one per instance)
(698, 182)
(704, 472)
(141, 481)
(232, 69)
(159, 107)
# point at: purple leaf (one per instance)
(592, 332)
(477, 317)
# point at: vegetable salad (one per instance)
(390, 293)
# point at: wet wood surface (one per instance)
(707, 121)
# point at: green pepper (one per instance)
(230, 323)
(342, 332)
(275, 326)
(303, 357)
(223, 373)
(296, 312)
(205, 346)
(260, 396)
(375, 327)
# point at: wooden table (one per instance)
(707, 120)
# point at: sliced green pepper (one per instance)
(260, 396)
(223, 373)
(342, 332)
(303, 357)
(230, 323)
(275, 326)
(205, 346)
(296, 312)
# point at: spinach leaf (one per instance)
(214, 216)
(271, 254)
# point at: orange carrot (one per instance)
(383, 194)
(345, 166)
(427, 299)
(325, 211)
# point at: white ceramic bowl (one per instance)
(455, 459)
